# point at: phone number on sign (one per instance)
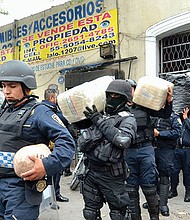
(76, 49)
(82, 42)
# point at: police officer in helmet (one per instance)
(140, 158)
(112, 133)
(23, 122)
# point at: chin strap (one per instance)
(13, 103)
(31, 96)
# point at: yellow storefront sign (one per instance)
(6, 54)
(78, 36)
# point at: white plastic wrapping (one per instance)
(151, 92)
(73, 101)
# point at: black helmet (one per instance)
(121, 87)
(132, 83)
(18, 71)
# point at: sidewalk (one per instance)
(179, 210)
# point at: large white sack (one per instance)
(73, 101)
(22, 163)
(151, 92)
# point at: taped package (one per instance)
(151, 92)
(73, 101)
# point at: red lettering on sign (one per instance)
(27, 38)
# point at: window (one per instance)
(175, 53)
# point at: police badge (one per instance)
(41, 185)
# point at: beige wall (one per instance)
(136, 16)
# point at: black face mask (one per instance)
(114, 104)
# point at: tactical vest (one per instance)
(163, 125)
(144, 128)
(11, 124)
(100, 149)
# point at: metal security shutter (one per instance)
(77, 78)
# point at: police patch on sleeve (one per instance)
(57, 119)
(179, 120)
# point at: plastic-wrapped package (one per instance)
(181, 97)
(73, 101)
(151, 92)
(22, 163)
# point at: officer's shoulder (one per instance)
(175, 115)
(42, 108)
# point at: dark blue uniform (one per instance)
(45, 123)
(182, 161)
(57, 176)
(140, 158)
(169, 132)
(165, 144)
(41, 126)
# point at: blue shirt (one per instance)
(45, 124)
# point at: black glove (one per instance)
(93, 114)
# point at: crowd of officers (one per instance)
(126, 146)
(154, 158)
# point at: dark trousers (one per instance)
(13, 203)
(181, 162)
(99, 187)
(56, 182)
(164, 161)
(142, 165)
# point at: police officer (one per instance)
(50, 100)
(111, 134)
(182, 159)
(140, 158)
(24, 122)
(166, 135)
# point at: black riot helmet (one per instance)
(132, 83)
(123, 91)
(121, 87)
(18, 71)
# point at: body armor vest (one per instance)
(11, 124)
(144, 128)
(163, 124)
(103, 151)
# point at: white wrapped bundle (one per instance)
(73, 101)
(22, 163)
(151, 92)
